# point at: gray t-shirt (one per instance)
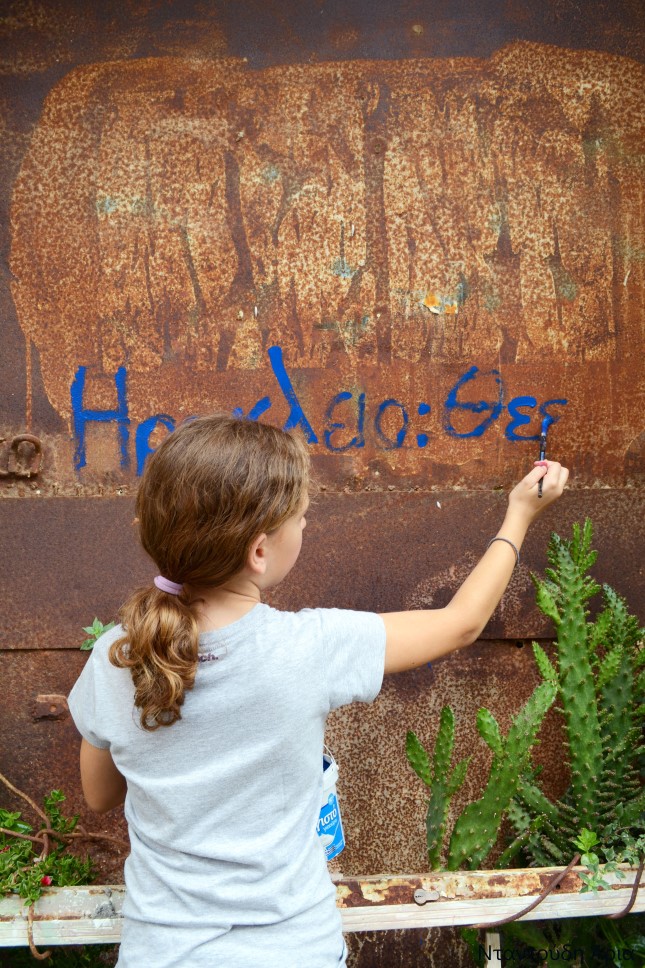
(226, 868)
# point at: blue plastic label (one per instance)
(330, 828)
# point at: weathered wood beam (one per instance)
(92, 914)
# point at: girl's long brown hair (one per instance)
(207, 492)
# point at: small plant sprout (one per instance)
(94, 631)
(594, 880)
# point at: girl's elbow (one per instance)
(102, 801)
(465, 633)
(98, 805)
(95, 805)
(468, 637)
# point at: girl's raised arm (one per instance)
(416, 637)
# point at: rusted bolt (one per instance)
(21, 464)
(49, 706)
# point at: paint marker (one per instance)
(545, 427)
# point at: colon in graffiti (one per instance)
(348, 420)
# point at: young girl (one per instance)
(205, 709)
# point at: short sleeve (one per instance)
(88, 695)
(354, 655)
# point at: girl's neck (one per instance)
(215, 608)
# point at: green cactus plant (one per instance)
(476, 830)
(442, 785)
(601, 688)
(598, 677)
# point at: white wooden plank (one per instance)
(92, 914)
(462, 911)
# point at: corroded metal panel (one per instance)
(399, 225)
(382, 802)
(66, 561)
(39, 745)
(415, 261)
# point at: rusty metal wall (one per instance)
(413, 228)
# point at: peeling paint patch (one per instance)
(270, 174)
(340, 267)
(441, 305)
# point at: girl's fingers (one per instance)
(536, 474)
(555, 475)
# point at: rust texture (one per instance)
(435, 213)
(405, 552)
(377, 891)
(388, 225)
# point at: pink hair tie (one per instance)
(165, 585)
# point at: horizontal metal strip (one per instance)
(67, 561)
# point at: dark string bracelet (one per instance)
(508, 541)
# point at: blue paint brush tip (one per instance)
(545, 426)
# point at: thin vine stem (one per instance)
(19, 793)
(551, 884)
(632, 899)
(39, 955)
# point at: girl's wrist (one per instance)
(515, 525)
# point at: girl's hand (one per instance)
(524, 496)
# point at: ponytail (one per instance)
(160, 648)
(211, 487)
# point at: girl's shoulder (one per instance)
(99, 652)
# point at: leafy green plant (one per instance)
(600, 677)
(595, 880)
(32, 860)
(94, 631)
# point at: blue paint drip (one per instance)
(82, 416)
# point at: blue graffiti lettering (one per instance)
(82, 417)
(521, 411)
(332, 428)
(452, 403)
(387, 442)
(256, 411)
(142, 437)
(296, 416)
(519, 419)
(549, 416)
